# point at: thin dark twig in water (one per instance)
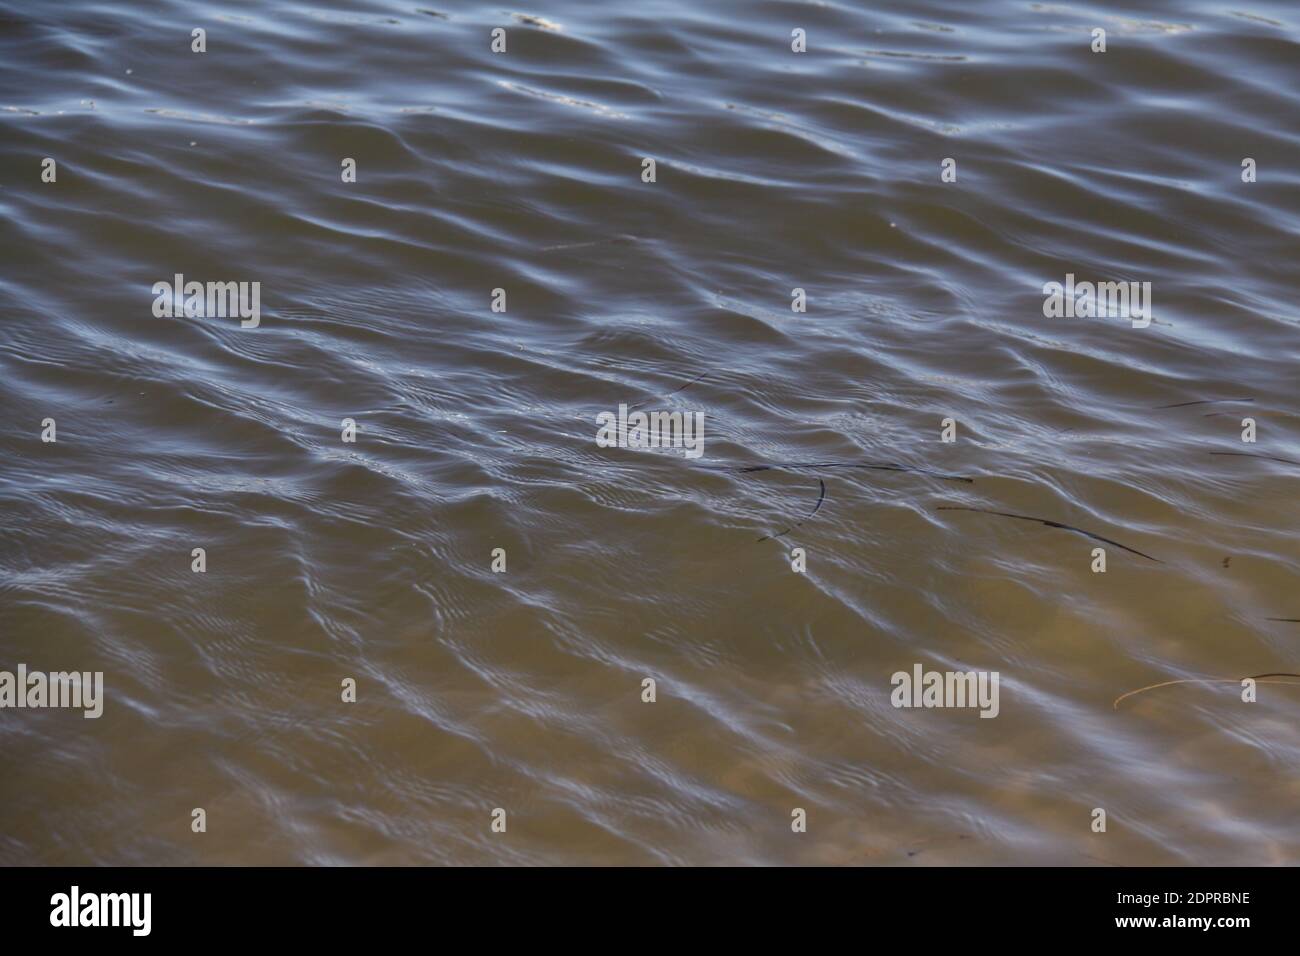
(1287, 620)
(1207, 401)
(1052, 524)
(683, 388)
(798, 465)
(794, 465)
(1208, 680)
(1248, 454)
(816, 508)
(697, 378)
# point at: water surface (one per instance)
(372, 560)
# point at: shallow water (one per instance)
(522, 690)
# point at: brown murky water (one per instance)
(372, 559)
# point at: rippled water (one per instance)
(522, 690)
